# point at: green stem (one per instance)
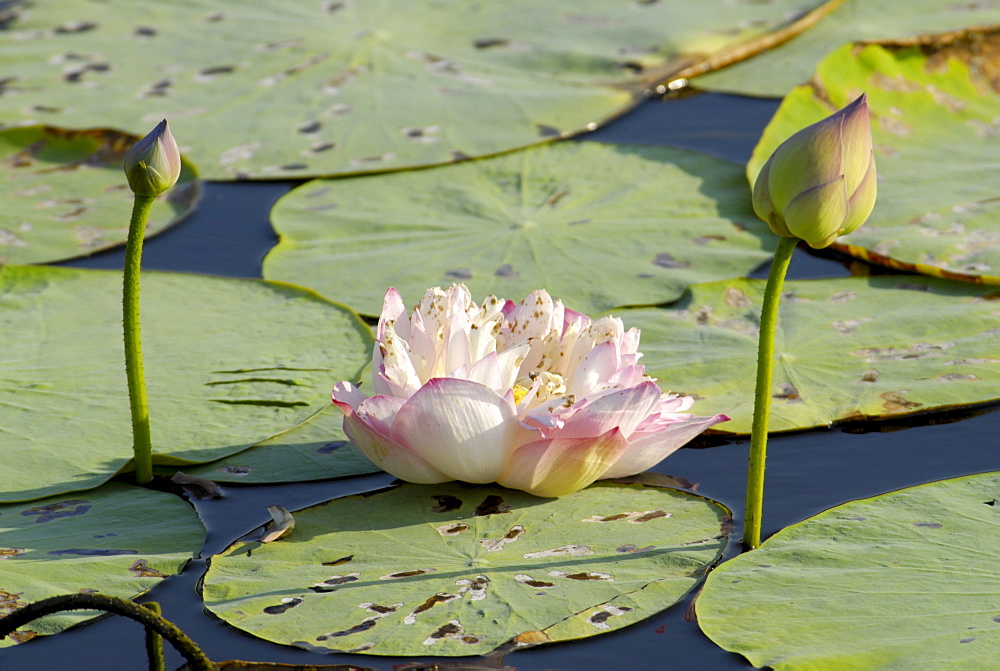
(154, 642)
(762, 394)
(141, 444)
(197, 659)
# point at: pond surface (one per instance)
(807, 471)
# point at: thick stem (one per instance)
(111, 604)
(762, 394)
(141, 444)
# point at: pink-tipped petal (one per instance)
(347, 397)
(388, 454)
(624, 409)
(645, 451)
(560, 466)
(460, 427)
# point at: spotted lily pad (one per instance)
(902, 580)
(273, 89)
(936, 119)
(457, 569)
(228, 363)
(118, 540)
(597, 225)
(777, 71)
(847, 348)
(317, 449)
(65, 194)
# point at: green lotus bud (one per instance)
(820, 183)
(153, 164)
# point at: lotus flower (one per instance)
(820, 183)
(153, 164)
(532, 396)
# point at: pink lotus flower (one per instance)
(532, 396)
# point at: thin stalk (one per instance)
(197, 660)
(762, 394)
(154, 642)
(141, 444)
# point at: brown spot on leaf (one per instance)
(870, 375)
(787, 392)
(365, 625)
(927, 525)
(338, 562)
(492, 505)
(452, 529)
(665, 260)
(459, 273)
(893, 401)
(54, 511)
(487, 42)
(530, 638)
(75, 27)
(333, 582)
(705, 239)
(446, 503)
(588, 575)
(655, 514)
(506, 270)
(286, 604)
(141, 569)
(407, 574)
(735, 298)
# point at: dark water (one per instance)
(807, 472)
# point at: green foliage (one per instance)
(353, 87)
(776, 71)
(902, 580)
(457, 569)
(118, 540)
(317, 449)
(935, 112)
(847, 348)
(597, 225)
(228, 363)
(64, 194)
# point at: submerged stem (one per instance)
(762, 393)
(141, 444)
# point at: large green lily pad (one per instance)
(456, 569)
(777, 71)
(282, 89)
(65, 194)
(935, 111)
(118, 540)
(317, 449)
(597, 225)
(848, 348)
(904, 580)
(228, 363)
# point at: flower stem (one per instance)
(762, 394)
(141, 444)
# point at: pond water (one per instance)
(807, 471)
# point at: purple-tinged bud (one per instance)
(820, 183)
(153, 164)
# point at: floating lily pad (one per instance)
(597, 225)
(456, 569)
(317, 449)
(118, 540)
(848, 348)
(65, 194)
(228, 363)
(272, 89)
(902, 580)
(777, 71)
(936, 119)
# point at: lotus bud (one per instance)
(820, 183)
(153, 164)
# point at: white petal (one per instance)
(462, 428)
(645, 451)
